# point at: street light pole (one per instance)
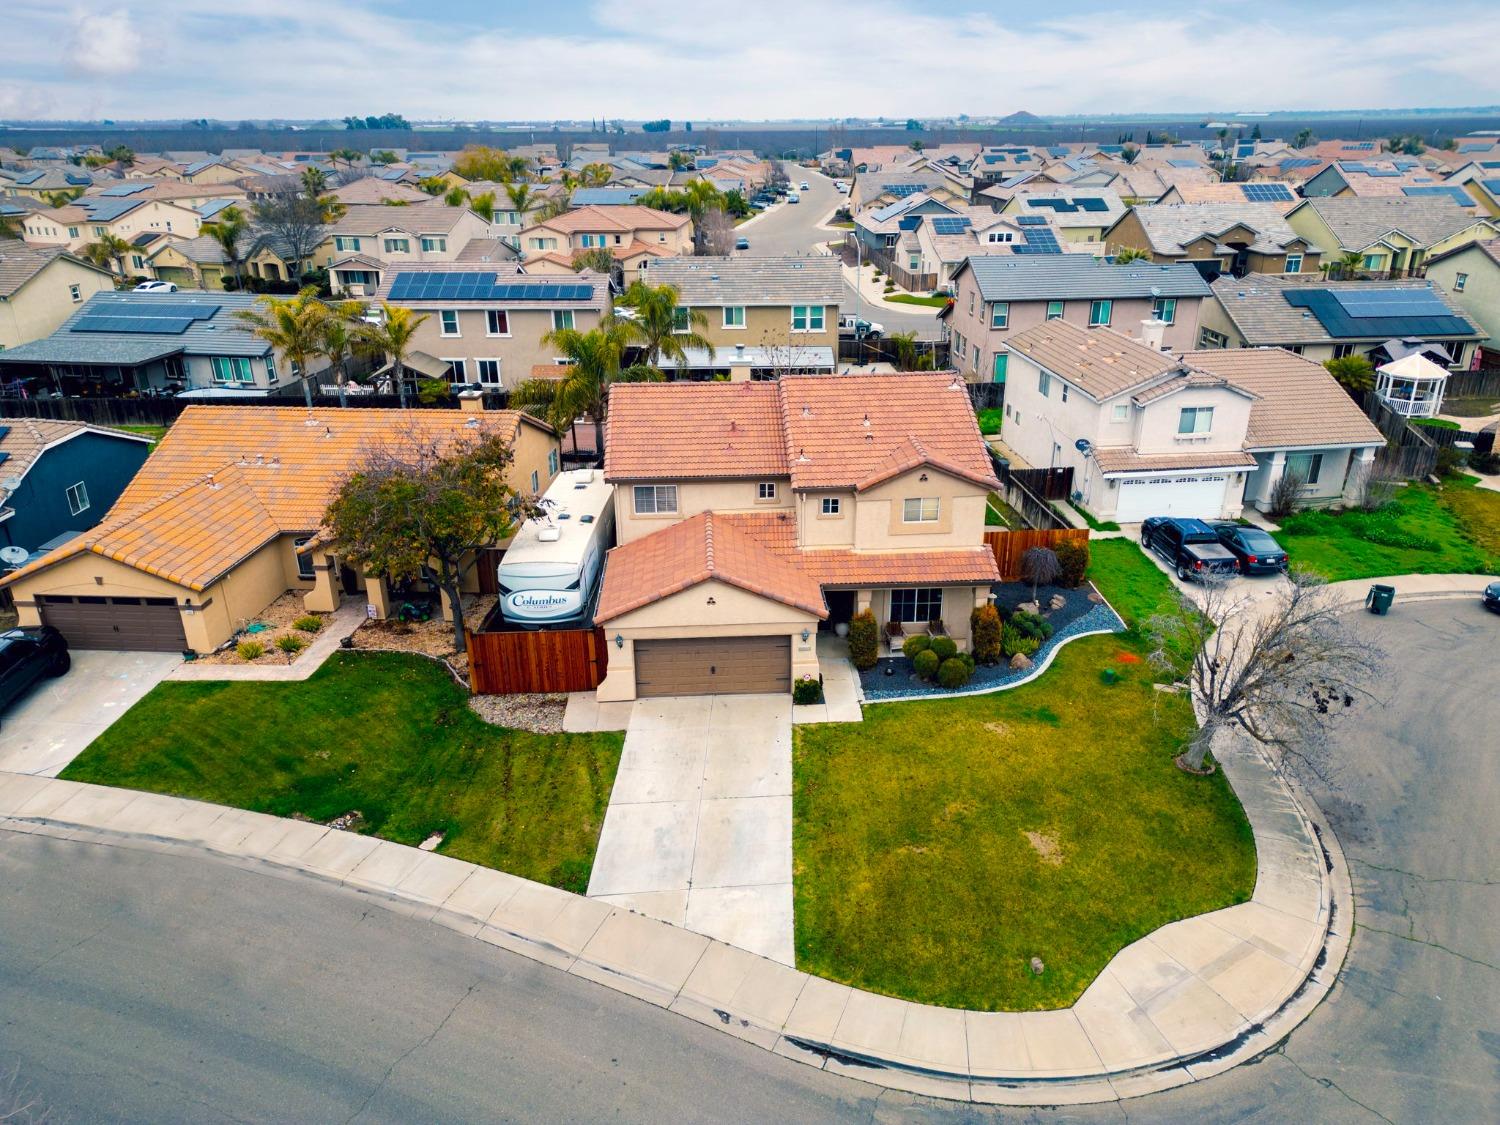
(859, 261)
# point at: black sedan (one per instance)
(26, 656)
(1257, 551)
(1492, 597)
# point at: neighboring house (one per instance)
(936, 248)
(40, 288)
(127, 343)
(61, 477)
(757, 302)
(1394, 235)
(1331, 319)
(376, 191)
(995, 297)
(1148, 433)
(1481, 180)
(224, 518)
(191, 263)
(90, 218)
(38, 183)
(1343, 179)
(422, 232)
(879, 189)
(634, 235)
(168, 191)
(1255, 191)
(1081, 216)
(1471, 276)
(485, 322)
(606, 196)
(1216, 238)
(750, 515)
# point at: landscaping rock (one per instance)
(431, 843)
(1057, 602)
(1096, 597)
(542, 714)
(1020, 662)
(1029, 607)
(1037, 966)
(349, 822)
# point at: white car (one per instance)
(860, 328)
(156, 287)
(842, 186)
(804, 185)
(793, 197)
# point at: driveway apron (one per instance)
(699, 827)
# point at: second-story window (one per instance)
(807, 318)
(1043, 383)
(1293, 263)
(562, 318)
(344, 242)
(734, 316)
(398, 246)
(1000, 314)
(1164, 309)
(919, 509)
(1195, 420)
(431, 245)
(765, 490)
(497, 322)
(655, 499)
(449, 321)
(681, 320)
(1100, 313)
(76, 293)
(1054, 310)
(831, 506)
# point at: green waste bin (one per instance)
(1379, 599)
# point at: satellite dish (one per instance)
(14, 556)
(1082, 445)
(1156, 291)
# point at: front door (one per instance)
(840, 608)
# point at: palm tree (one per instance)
(523, 198)
(677, 160)
(1127, 254)
(596, 175)
(1349, 264)
(455, 197)
(483, 205)
(9, 227)
(595, 358)
(905, 345)
(393, 336)
(294, 326)
(314, 181)
(55, 199)
(340, 341)
(433, 185)
(553, 206)
(108, 252)
(517, 170)
(662, 327)
(348, 157)
(228, 229)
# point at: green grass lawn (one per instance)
(915, 875)
(998, 513)
(1094, 524)
(1424, 530)
(386, 734)
(990, 421)
(155, 433)
(914, 299)
(1437, 423)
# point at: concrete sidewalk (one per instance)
(338, 625)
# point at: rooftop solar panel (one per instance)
(950, 225)
(905, 189)
(125, 189)
(1409, 312)
(1389, 302)
(134, 325)
(1267, 193)
(1039, 241)
(1032, 220)
(1092, 204)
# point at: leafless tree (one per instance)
(1040, 567)
(1278, 668)
(715, 232)
(294, 223)
(1286, 492)
(1372, 485)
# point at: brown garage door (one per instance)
(128, 624)
(713, 666)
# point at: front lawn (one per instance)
(940, 846)
(1424, 530)
(387, 735)
(914, 299)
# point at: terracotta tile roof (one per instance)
(1129, 461)
(696, 550)
(1298, 404)
(225, 480)
(665, 431)
(628, 217)
(549, 370)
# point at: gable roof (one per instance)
(1358, 223)
(23, 440)
(1172, 227)
(624, 217)
(714, 281)
(225, 480)
(19, 263)
(1262, 308)
(419, 218)
(1098, 361)
(1078, 277)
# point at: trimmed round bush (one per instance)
(926, 663)
(953, 673)
(864, 640)
(945, 647)
(1073, 557)
(913, 645)
(968, 661)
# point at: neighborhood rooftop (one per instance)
(1079, 277)
(752, 281)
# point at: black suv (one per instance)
(26, 656)
(1253, 546)
(1191, 546)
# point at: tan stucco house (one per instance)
(368, 238)
(40, 288)
(750, 515)
(758, 301)
(1471, 275)
(223, 518)
(634, 235)
(1393, 236)
(1217, 238)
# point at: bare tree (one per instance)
(1286, 492)
(1278, 668)
(1040, 567)
(1372, 485)
(294, 223)
(715, 232)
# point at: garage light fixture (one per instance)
(805, 635)
(619, 641)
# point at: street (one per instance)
(142, 986)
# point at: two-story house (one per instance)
(40, 287)
(757, 302)
(996, 297)
(90, 218)
(369, 239)
(632, 234)
(750, 515)
(485, 322)
(1471, 275)
(1217, 238)
(1080, 215)
(1393, 236)
(1150, 434)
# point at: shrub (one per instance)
(921, 642)
(1073, 558)
(864, 640)
(945, 647)
(1030, 625)
(1013, 641)
(808, 689)
(968, 661)
(1449, 461)
(1488, 463)
(984, 633)
(926, 663)
(250, 650)
(1285, 493)
(953, 673)
(308, 623)
(291, 644)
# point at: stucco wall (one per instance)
(517, 352)
(694, 497)
(767, 325)
(879, 525)
(39, 307)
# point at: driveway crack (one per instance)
(1420, 878)
(1432, 945)
(1330, 1084)
(413, 1049)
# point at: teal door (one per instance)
(1001, 360)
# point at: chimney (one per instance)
(471, 402)
(1153, 334)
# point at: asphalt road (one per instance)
(137, 986)
(792, 228)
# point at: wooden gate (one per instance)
(541, 661)
(1009, 546)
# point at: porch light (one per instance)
(805, 635)
(619, 641)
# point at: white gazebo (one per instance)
(1412, 386)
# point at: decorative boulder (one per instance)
(1020, 662)
(1057, 602)
(1029, 607)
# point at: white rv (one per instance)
(549, 572)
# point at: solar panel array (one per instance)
(1090, 203)
(902, 190)
(950, 225)
(125, 189)
(1390, 302)
(1267, 193)
(1032, 220)
(1452, 191)
(1040, 240)
(1379, 313)
(143, 317)
(480, 286)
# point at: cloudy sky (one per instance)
(466, 59)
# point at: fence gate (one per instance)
(558, 660)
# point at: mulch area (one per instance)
(272, 622)
(429, 638)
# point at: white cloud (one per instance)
(106, 44)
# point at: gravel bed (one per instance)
(540, 713)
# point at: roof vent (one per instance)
(549, 534)
(867, 421)
(807, 412)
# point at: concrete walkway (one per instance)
(872, 295)
(699, 827)
(338, 625)
(842, 694)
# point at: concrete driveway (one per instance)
(48, 727)
(699, 827)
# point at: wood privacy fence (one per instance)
(1009, 546)
(1474, 384)
(540, 661)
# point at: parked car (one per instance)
(1492, 597)
(742, 243)
(842, 187)
(1189, 546)
(793, 197)
(1256, 551)
(859, 327)
(156, 287)
(803, 185)
(28, 655)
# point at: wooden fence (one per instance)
(1009, 546)
(1474, 384)
(536, 661)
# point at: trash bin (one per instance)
(1379, 599)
